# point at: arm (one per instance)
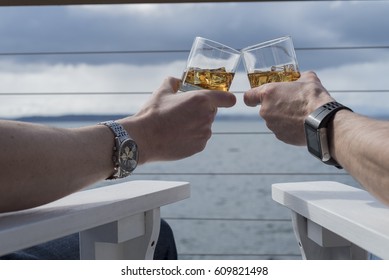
(39, 164)
(359, 144)
(356, 142)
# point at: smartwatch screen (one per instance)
(313, 141)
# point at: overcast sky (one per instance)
(312, 24)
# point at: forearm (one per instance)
(359, 145)
(39, 164)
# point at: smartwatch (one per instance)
(316, 131)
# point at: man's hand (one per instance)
(284, 106)
(173, 125)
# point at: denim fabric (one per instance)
(67, 248)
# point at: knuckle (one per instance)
(199, 97)
(264, 112)
(208, 133)
(310, 75)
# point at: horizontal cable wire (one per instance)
(44, 53)
(89, 52)
(84, 2)
(76, 93)
(243, 133)
(238, 255)
(241, 174)
(226, 219)
(340, 48)
(149, 92)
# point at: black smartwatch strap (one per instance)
(321, 117)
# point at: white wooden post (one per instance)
(133, 237)
(318, 243)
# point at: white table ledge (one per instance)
(335, 221)
(120, 221)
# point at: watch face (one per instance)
(128, 155)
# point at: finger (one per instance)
(169, 85)
(308, 76)
(221, 98)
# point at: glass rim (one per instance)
(232, 50)
(266, 44)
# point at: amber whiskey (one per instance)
(214, 79)
(281, 74)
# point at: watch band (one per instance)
(322, 115)
(117, 129)
(316, 130)
(125, 156)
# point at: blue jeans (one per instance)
(67, 248)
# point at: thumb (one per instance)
(253, 97)
(222, 98)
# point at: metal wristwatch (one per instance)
(316, 131)
(125, 152)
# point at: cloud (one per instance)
(173, 27)
(59, 78)
(118, 10)
(78, 78)
(359, 77)
(85, 78)
(18, 78)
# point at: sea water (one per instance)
(230, 214)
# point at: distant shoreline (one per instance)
(99, 118)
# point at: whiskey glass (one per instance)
(210, 65)
(271, 61)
